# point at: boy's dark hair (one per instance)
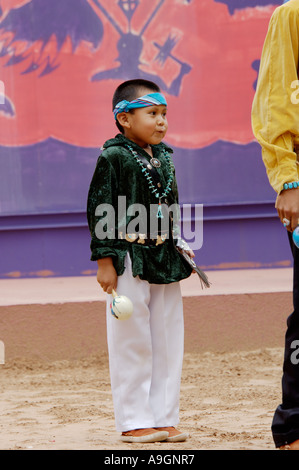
(129, 91)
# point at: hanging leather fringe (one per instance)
(201, 274)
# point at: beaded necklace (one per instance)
(155, 162)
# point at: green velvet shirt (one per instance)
(118, 174)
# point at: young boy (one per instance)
(146, 351)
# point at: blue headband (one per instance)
(152, 99)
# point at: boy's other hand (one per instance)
(106, 275)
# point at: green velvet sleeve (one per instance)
(103, 195)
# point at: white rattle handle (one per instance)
(114, 293)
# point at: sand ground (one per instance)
(55, 388)
(227, 403)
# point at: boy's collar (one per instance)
(121, 140)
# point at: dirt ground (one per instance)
(227, 403)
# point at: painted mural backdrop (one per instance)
(60, 61)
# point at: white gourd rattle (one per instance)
(121, 306)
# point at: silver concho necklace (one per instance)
(155, 162)
(149, 179)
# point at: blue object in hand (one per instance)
(296, 236)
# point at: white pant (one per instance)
(146, 354)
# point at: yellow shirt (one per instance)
(275, 109)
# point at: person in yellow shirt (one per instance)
(275, 124)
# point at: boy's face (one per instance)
(146, 125)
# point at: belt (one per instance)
(146, 240)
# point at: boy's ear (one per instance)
(123, 120)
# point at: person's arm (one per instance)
(176, 223)
(106, 275)
(275, 115)
(105, 246)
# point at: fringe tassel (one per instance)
(201, 274)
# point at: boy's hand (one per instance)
(287, 206)
(106, 275)
(190, 253)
